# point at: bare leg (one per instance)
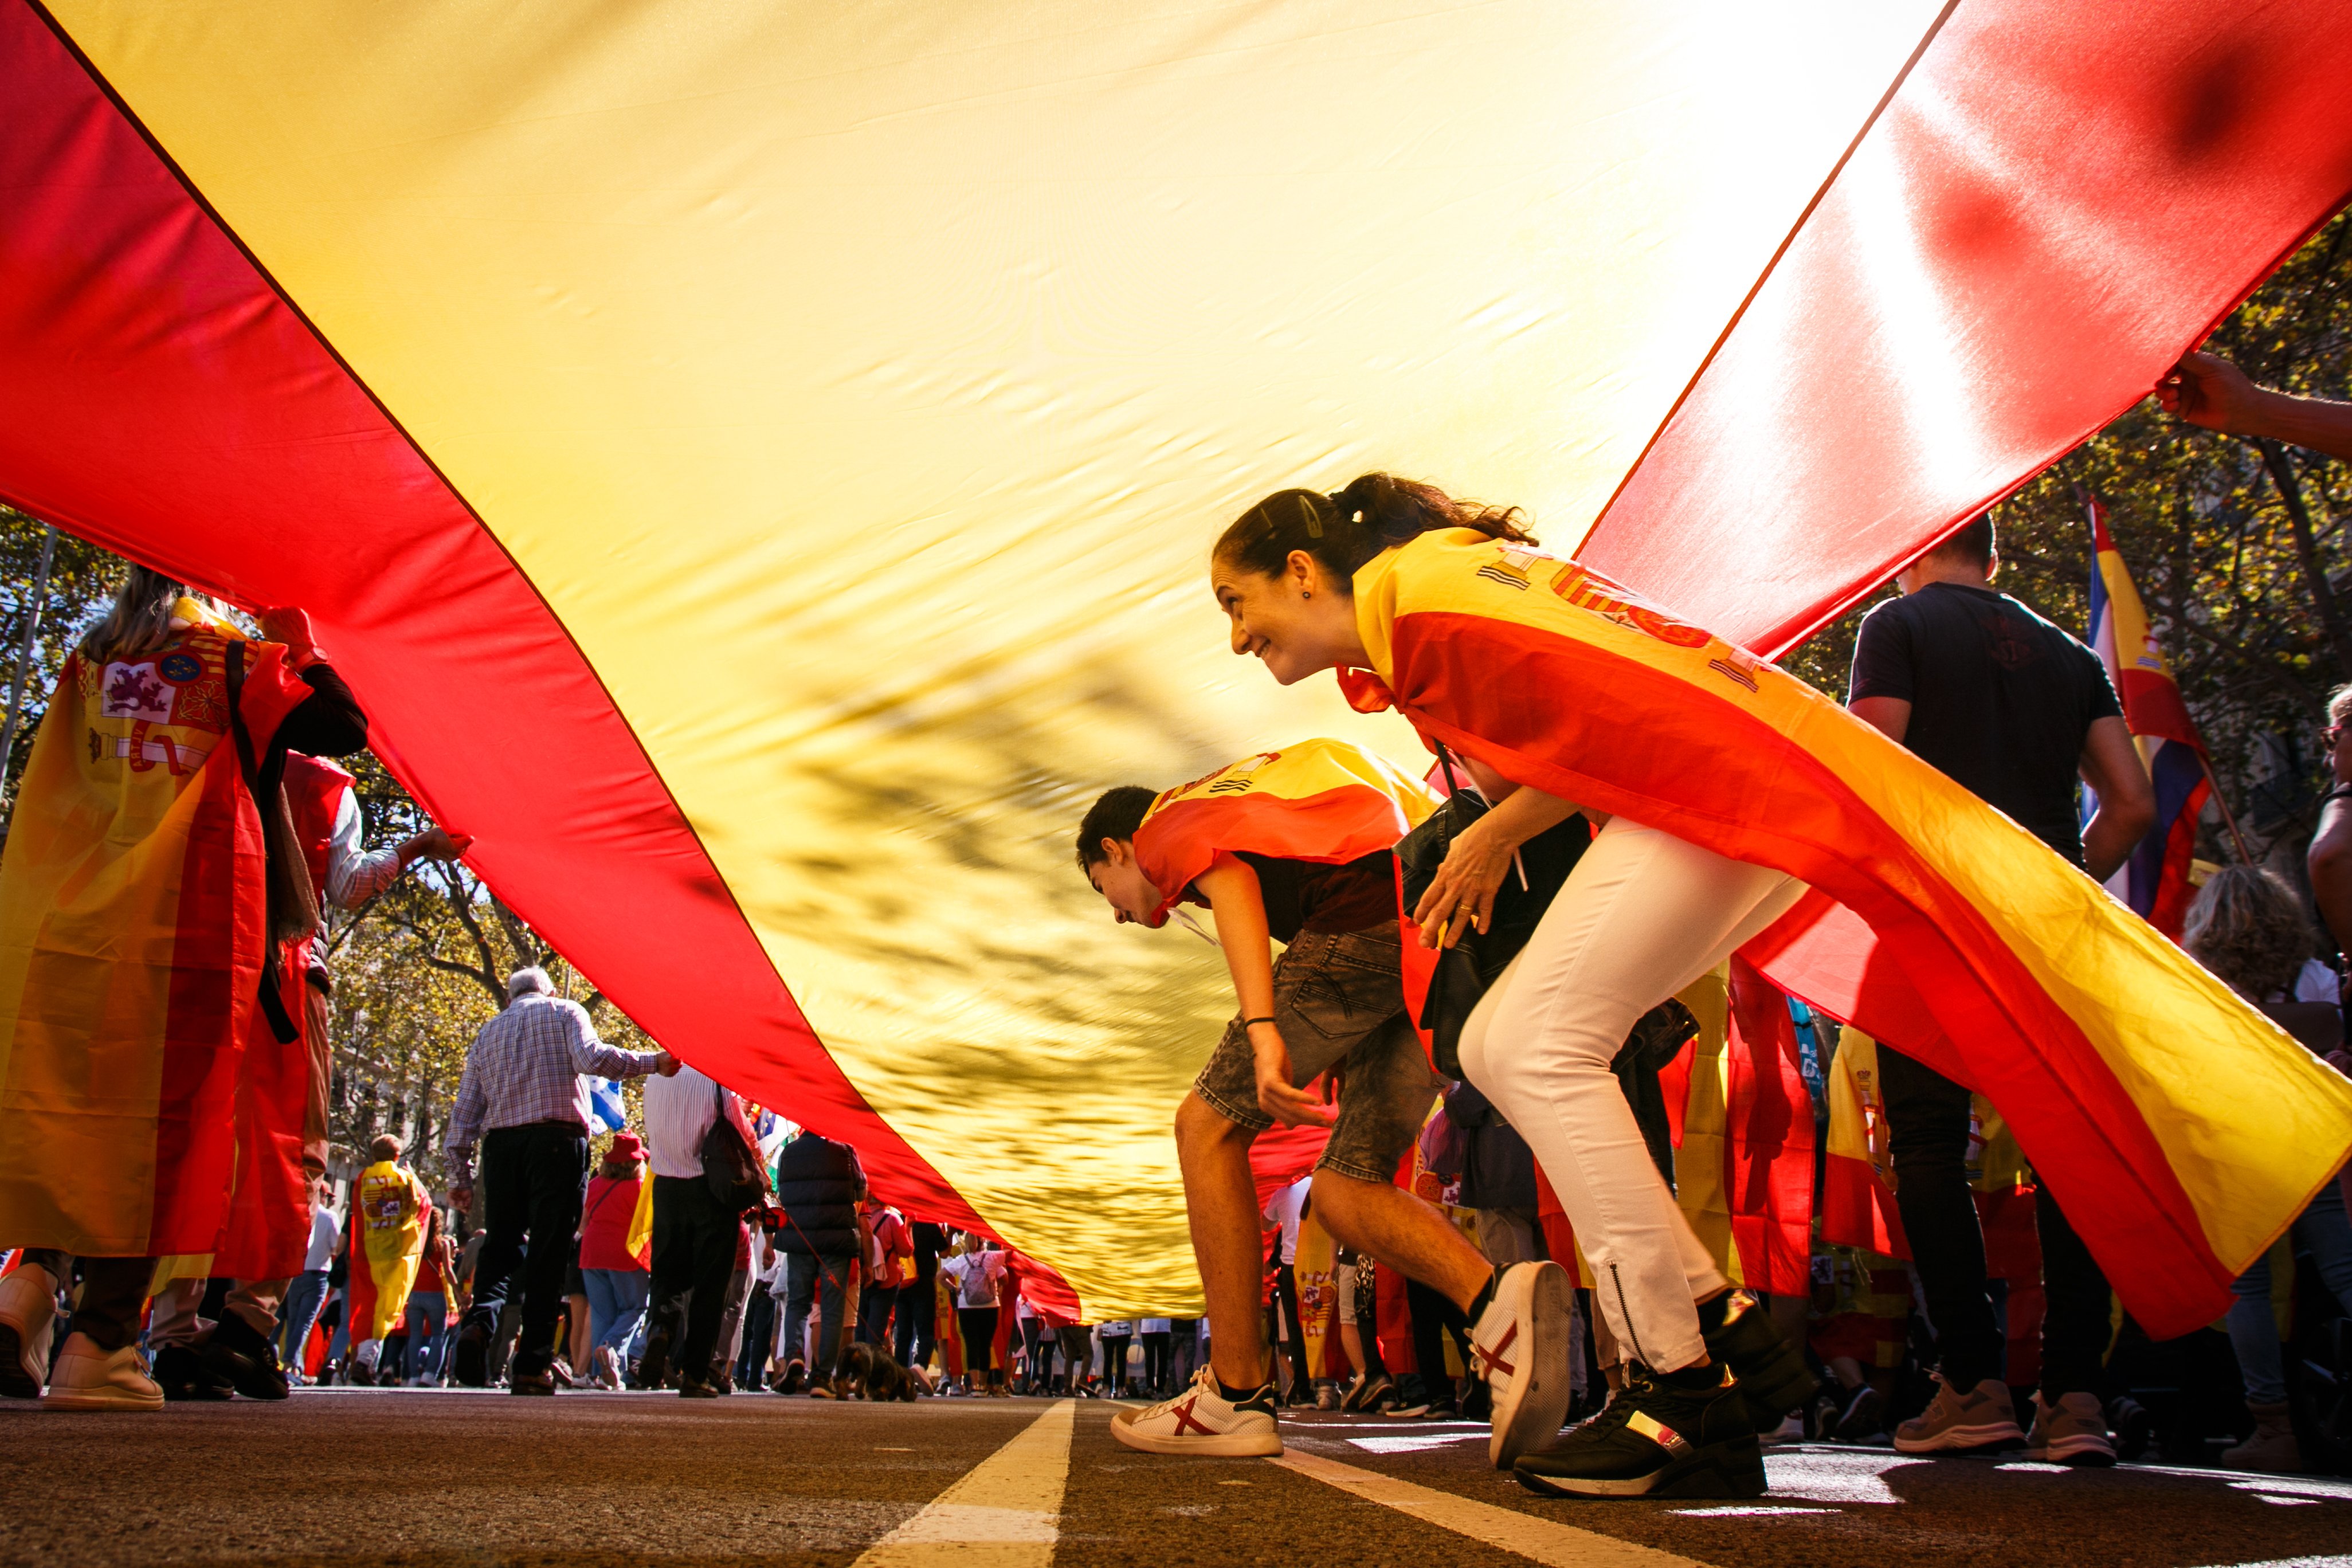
(1403, 1232)
(1221, 1204)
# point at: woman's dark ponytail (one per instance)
(1344, 530)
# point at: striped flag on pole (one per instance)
(2155, 880)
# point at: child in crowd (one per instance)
(1295, 847)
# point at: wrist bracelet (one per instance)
(1250, 1022)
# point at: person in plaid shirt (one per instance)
(524, 1100)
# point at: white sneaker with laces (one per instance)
(87, 1378)
(1202, 1421)
(28, 1315)
(1520, 1343)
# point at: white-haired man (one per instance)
(524, 1099)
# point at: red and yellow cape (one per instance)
(2181, 1130)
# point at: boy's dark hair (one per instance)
(1973, 544)
(1117, 815)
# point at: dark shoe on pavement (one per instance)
(1655, 1440)
(2272, 1448)
(2128, 1419)
(1864, 1419)
(1520, 1345)
(1771, 1373)
(653, 1370)
(181, 1373)
(472, 1355)
(541, 1383)
(1954, 1423)
(240, 1357)
(698, 1388)
(2071, 1431)
(793, 1379)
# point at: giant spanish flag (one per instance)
(2155, 880)
(2181, 1130)
(755, 462)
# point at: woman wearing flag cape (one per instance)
(1753, 815)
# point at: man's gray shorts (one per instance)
(1338, 1000)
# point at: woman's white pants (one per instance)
(1642, 915)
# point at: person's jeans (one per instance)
(821, 1283)
(918, 1313)
(694, 1254)
(2323, 1231)
(1927, 1140)
(429, 1332)
(874, 1304)
(1642, 915)
(616, 1301)
(304, 1298)
(532, 1182)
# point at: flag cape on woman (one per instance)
(947, 1328)
(388, 1225)
(132, 934)
(2181, 1130)
(1318, 800)
(1744, 1133)
(281, 1101)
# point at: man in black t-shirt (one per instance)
(2014, 709)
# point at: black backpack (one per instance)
(1476, 960)
(737, 1179)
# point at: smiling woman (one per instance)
(1272, 564)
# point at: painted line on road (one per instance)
(1005, 1512)
(1541, 1540)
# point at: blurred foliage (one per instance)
(2235, 595)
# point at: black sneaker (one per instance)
(540, 1382)
(240, 1357)
(181, 1373)
(698, 1388)
(472, 1356)
(1771, 1373)
(1655, 1440)
(653, 1369)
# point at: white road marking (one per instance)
(1416, 1442)
(1540, 1539)
(1005, 1512)
(1749, 1510)
(1828, 1474)
(2293, 1562)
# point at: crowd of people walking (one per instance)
(1481, 974)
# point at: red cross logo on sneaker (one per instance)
(1184, 1419)
(1491, 1360)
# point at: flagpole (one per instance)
(2227, 819)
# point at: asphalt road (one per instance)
(425, 1478)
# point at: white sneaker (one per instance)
(1792, 1429)
(1521, 1345)
(1200, 1421)
(28, 1316)
(87, 1378)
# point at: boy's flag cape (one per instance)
(2155, 880)
(387, 1242)
(1744, 1133)
(1316, 800)
(2181, 1129)
(1316, 1269)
